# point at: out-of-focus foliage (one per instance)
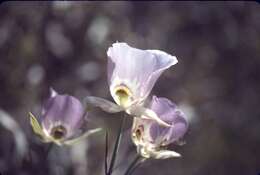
(64, 44)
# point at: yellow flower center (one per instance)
(123, 95)
(58, 132)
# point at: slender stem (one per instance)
(47, 151)
(120, 164)
(136, 165)
(30, 155)
(106, 152)
(133, 163)
(115, 151)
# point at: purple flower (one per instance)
(132, 74)
(150, 138)
(61, 120)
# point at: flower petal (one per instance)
(164, 154)
(140, 111)
(53, 92)
(62, 111)
(179, 129)
(110, 69)
(163, 108)
(102, 103)
(130, 63)
(168, 112)
(135, 68)
(164, 61)
(158, 133)
(83, 136)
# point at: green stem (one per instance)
(136, 166)
(106, 151)
(134, 162)
(47, 151)
(115, 151)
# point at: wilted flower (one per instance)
(132, 74)
(61, 120)
(151, 139)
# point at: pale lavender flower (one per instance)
(61, 120)
(151, 138)
(132, 74)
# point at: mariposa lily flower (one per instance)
(61, 120)
(152, 139)
(132, 74)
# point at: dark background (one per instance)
(64, 44)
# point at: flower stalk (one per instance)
(116, 146)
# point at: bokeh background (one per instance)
(63, 45)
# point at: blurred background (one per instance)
(63, 45)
